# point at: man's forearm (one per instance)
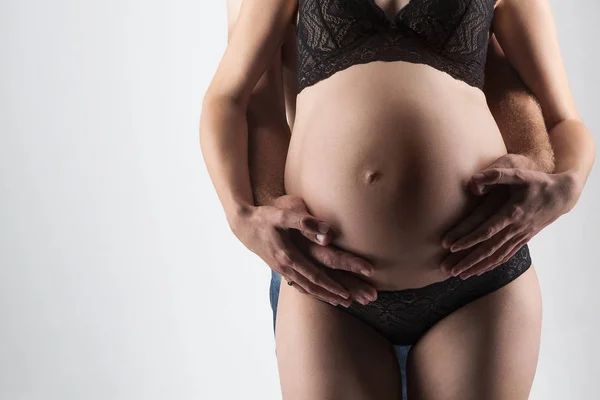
(268, 135)
(567, 148)
(268, 142)
(516, 111)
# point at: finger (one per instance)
(305, 287)
(300, 221)
(322, 239)
(359, 290)
(317, 291)
(516, 248)
(497, 259)
(509, 214)
(502, 176)
(479, 269)
(314, 274)
(301, 290)
(479, 189)
(295, 286)
(484, 250)
(334, 258)
(452, 259)
(478, 216)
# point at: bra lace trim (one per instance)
(449, 35)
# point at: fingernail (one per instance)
(446, 242)
(323, 227)
(455, 247)
(369, 296)
(344, 295)
(320, 237)
(364, 267)
(362, 300)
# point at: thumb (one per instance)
(485, 180)
(291, 202)
(311, 227)
(501, 176)
(479, 189)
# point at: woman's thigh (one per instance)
(325, 354)
(487, 349)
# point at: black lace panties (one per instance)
(403, 316)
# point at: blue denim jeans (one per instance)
(401, 351)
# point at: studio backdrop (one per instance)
(119, 276)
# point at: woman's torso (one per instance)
(383, 151)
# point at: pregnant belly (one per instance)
(387, 164)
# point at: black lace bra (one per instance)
(449, 35)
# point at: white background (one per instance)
(119, 277)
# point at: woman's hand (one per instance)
(520, 202)
(282, 232)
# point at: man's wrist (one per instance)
(526, 160)
(266, 197)
(541, 160)
(269, 200)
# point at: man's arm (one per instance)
(268, 130)
(527, 34)
(516, 111)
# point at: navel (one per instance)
(371, 176)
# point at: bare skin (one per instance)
(322, 353)
(487, 349)
(399, 167)
(267, 146)
(514, 108)
(398, 187)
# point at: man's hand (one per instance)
(282, 232)
(520, 202)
